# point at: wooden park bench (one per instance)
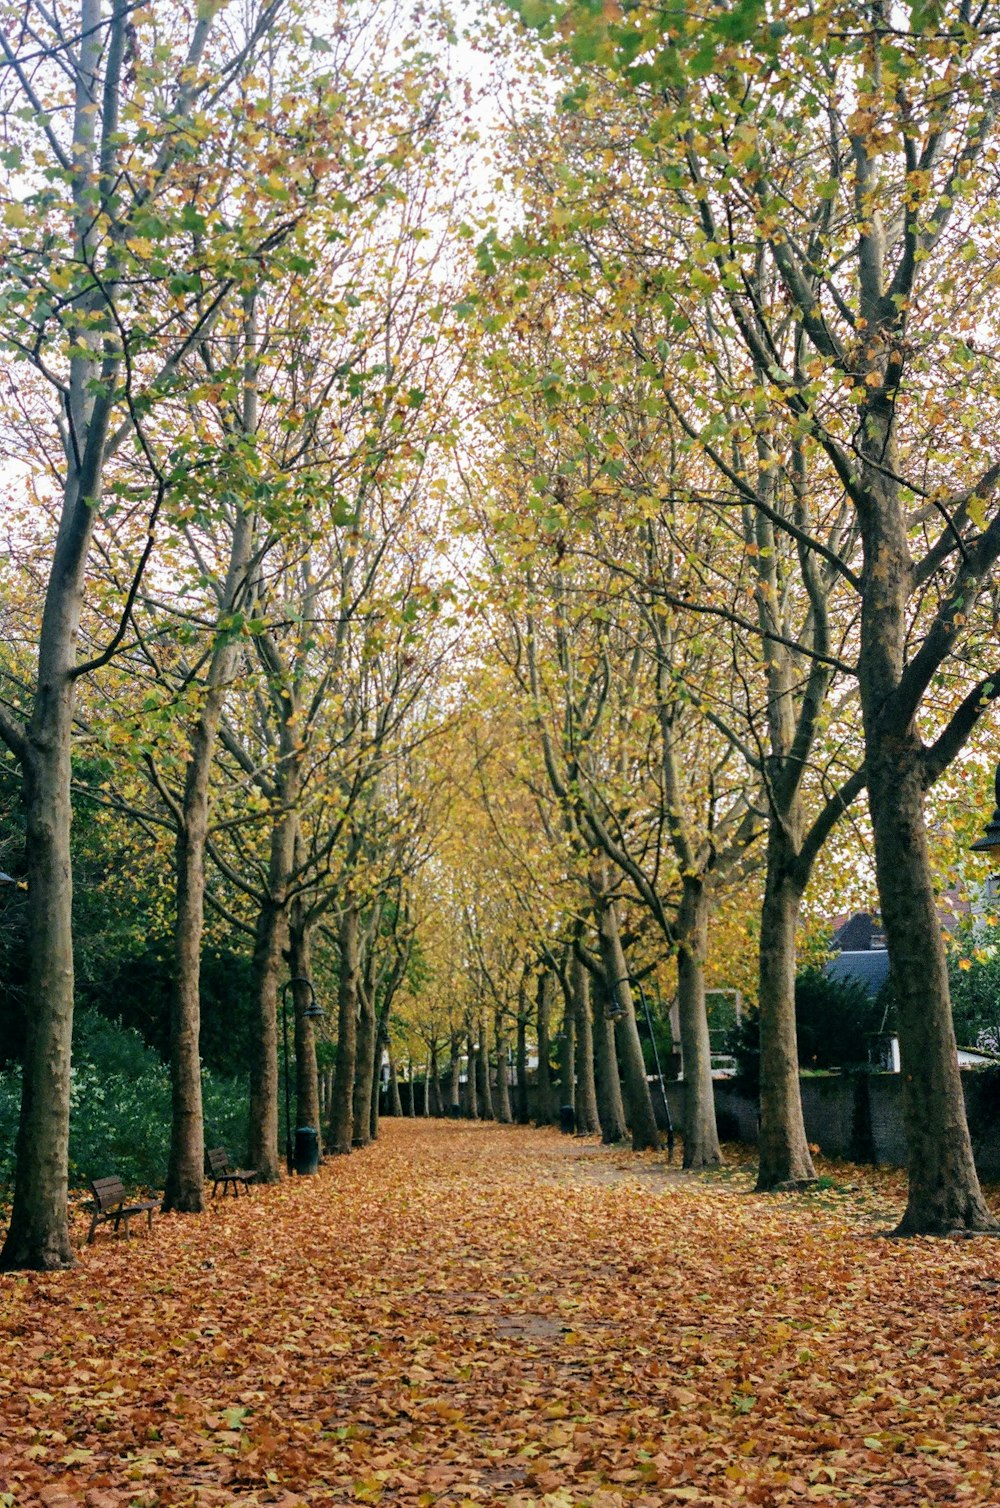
(110, 1204)
(230, 1178)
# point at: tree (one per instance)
(117, 178)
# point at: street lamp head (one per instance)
(313, 1009)
(990, 841)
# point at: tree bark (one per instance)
(342, 1117)
(268, 958)
(521, 1096)
(503, 1110)
(943, 1191)
(364, 1065)
(610, 1106)
(701, 1137)
(485, 1092)
(635, 1088)
(395, 1103)
(455, 1076)
(567, 1057)
(471, 1095)
(39, 1232)
(784, 1155)
(436, 1107)
(546, 1111)
(381, 1053)
(307, 1105)
(587, 1118)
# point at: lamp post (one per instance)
(990, 841)
(311, 1012)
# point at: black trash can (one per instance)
(306, 1150)
(567, 1119)
(455, 1112)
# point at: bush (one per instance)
(974, 980)
(834, 1018)
(120, 1108)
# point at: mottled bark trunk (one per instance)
(411, 1103)
(944, 1192)
(342, 1116)
(635, 1089)
(483, 1087)
(783, 1150)
(521, 1095)
(701, 1138)
(395, 1103)
(610, 1105)
(185, 1182)
(38, 1235)
(364, 1067)
(471, 1095)
(546, 1106)
(503, 1110)
(306, 1069)
(455, 1076)
(267, 967)
(436, 1107)
(381, 1044)
(587, 1118)
(567, 1058)
(39, 1232)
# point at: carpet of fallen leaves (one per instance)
(473, 1315)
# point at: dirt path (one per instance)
(468, 1315)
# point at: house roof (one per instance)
(870, 968)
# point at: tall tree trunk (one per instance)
(635, 1088)
(342, 1117)
(567, 1057)
(587, 1118)
(783, 1150)
(455, 1076)
(364, 1065)
(944, 1192)
(306, 1070)
(381, 1042)
(503, 1111)
(38, 1235)
(411, 1104)
(435, 1084)
(268, 958)
(471, 1096)
(546, 1111)
(610, 1105)
(395, 1103)
(185, 1181)
(485, 1092)
(39, 1231)
(701, 1138)
(521, 1096)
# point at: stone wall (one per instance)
(859, 1116)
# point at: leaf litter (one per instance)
(469, 1314)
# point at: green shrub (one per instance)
(834, 1018)
(120, 1108)
(974, 981)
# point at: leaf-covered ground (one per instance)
(468, 1315)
